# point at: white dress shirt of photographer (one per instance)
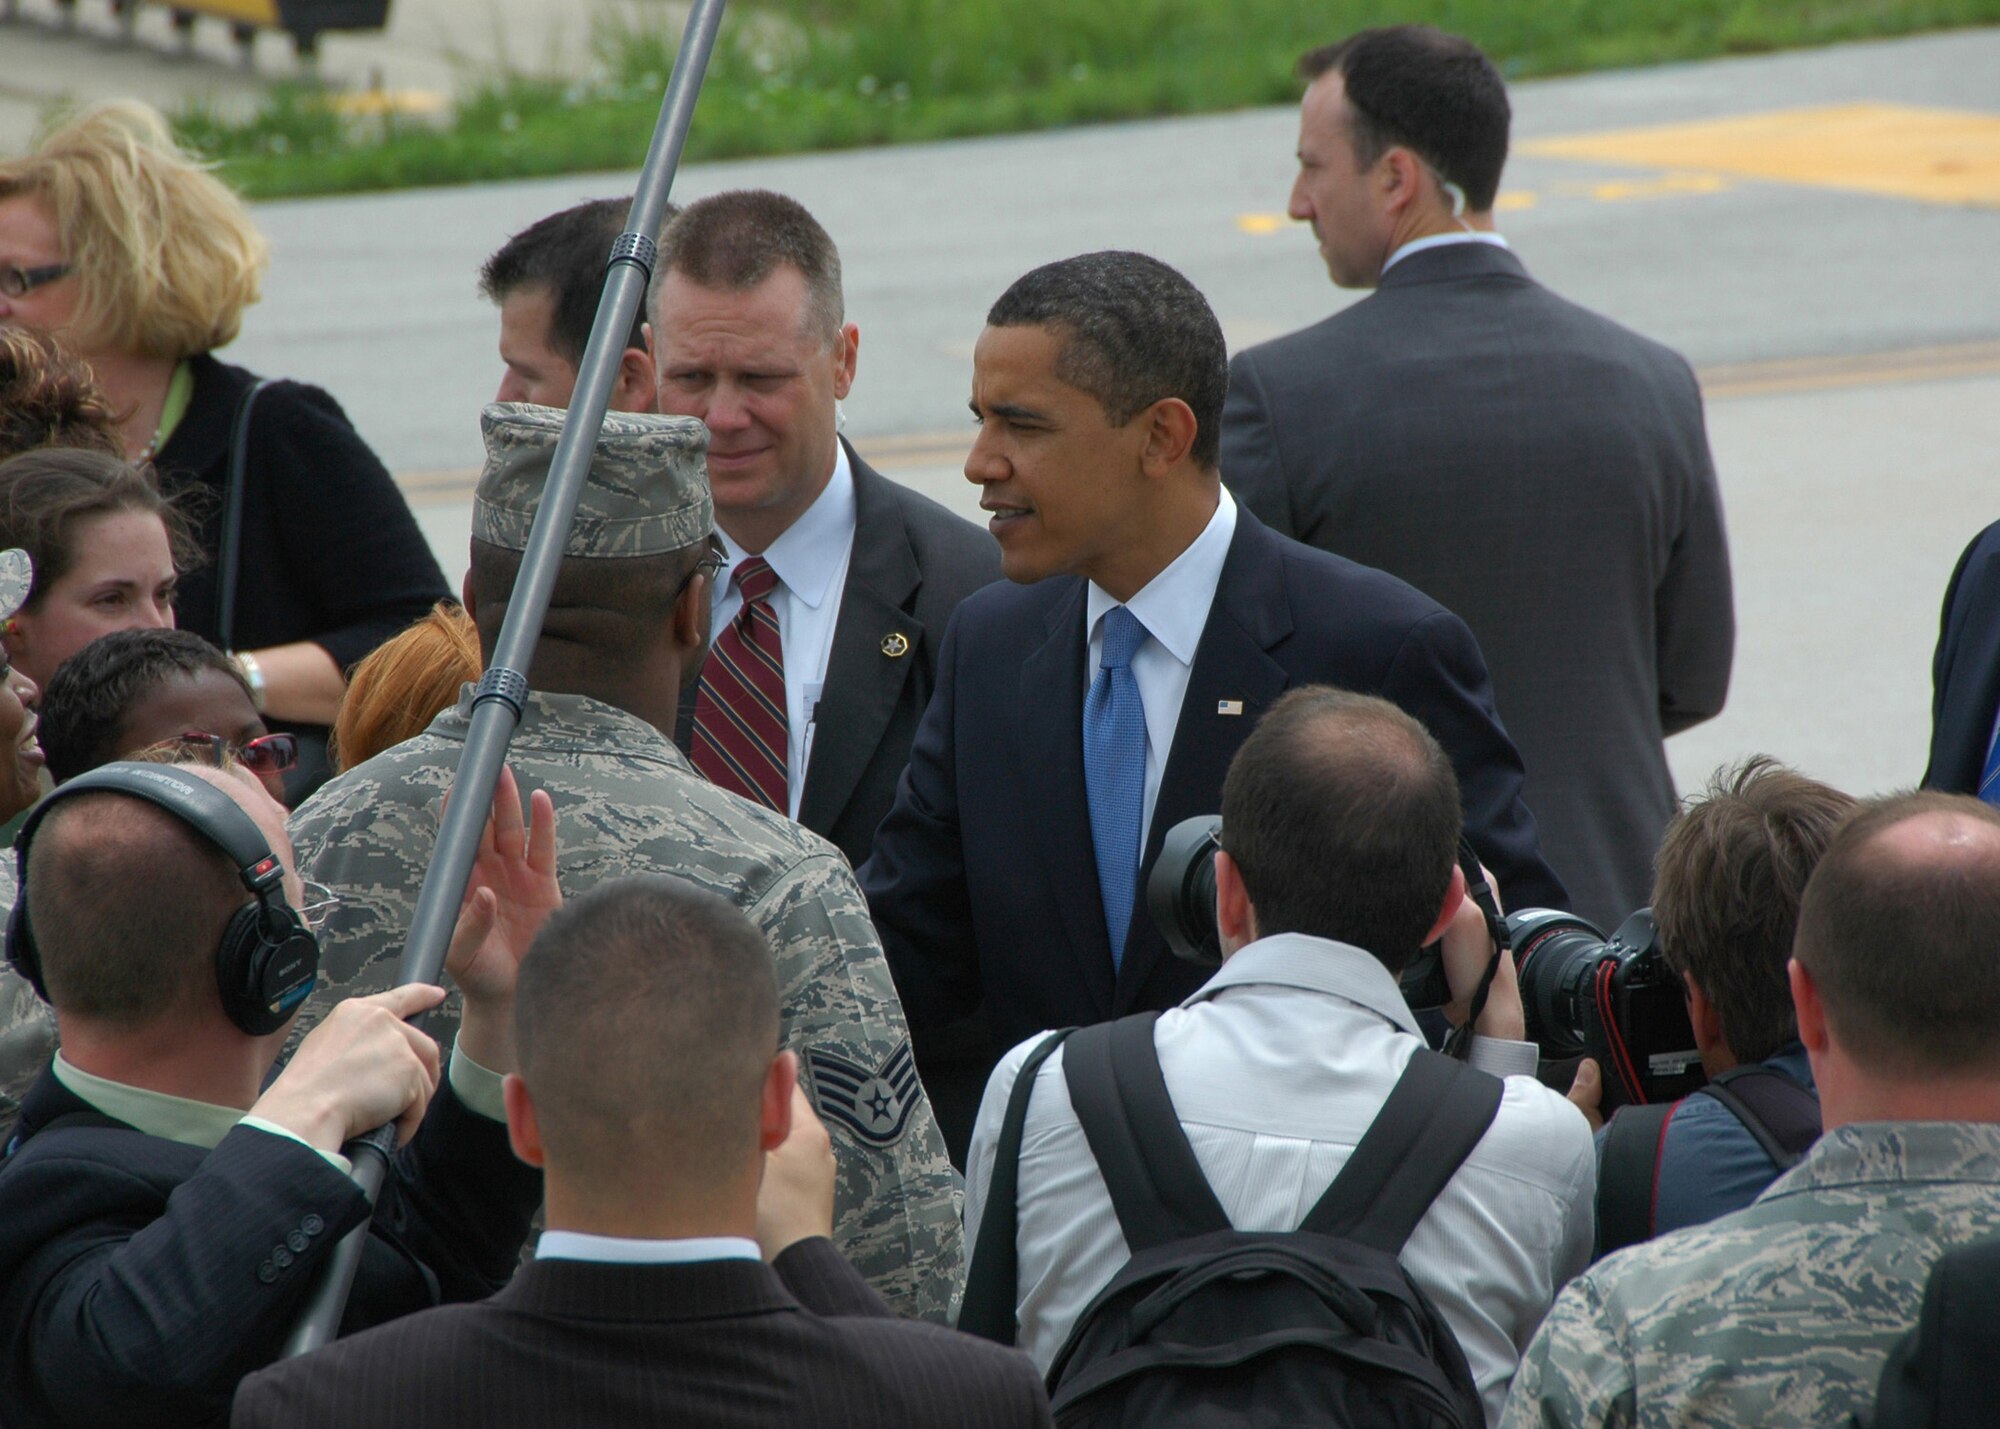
(1277, 1065)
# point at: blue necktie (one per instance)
(1989, 778)
(1114, 771)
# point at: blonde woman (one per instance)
(123, 246)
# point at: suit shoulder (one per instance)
(1362, 590)
(976, 1365)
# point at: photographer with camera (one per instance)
(1340, 836)
(1726, 892)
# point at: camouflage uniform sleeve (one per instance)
(1577, 1373)
(371, 848)
(896, 1212)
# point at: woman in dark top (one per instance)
(123, 246)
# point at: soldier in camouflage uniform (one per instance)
(627, 801)
(1783, 1313)
(27, 1026)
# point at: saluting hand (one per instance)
(511, 893)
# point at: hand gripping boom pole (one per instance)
(496, 708)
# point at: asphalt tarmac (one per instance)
(1816, 231)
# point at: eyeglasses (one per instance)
(18, 282)
(270, 754)
(708, 565)
(320, 902)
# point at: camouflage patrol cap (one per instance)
(17, 578)
(646, 492)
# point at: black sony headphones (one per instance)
(268, 960)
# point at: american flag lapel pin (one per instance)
(1229, 707)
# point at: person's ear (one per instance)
(1811, 1010)
(524, 1133)
(635, 389)
(846, 349)
(689, 626)
(1170, 433)
(1703, 1017)
(774, 1107)
(465, 597)
(1454, 894)
(1235, 917)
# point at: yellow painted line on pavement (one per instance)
(1943, 156)
(914, 451)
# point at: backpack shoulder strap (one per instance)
(1438, 1111)
(1121, 1101)
(993, 1280)
(1783, 1116)
(1628, 1174)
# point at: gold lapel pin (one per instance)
(895, 645)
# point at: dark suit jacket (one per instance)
(1542, 473)
(983, 882)
(721, 1343)
(140, 1279)
(1965, 674)
(913, 562)
(1941, 1373)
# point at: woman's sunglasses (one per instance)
(270, 754)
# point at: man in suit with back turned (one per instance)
(1094, 700)
(651, 1088)
(839, 582)
(1534, 467)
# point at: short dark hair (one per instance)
(568, 254)
(90, 695)
(646, 1017)
(1433, 93)
(46, 495)
(1730, 872)
(604, 614)
(1901, 943)
(1343, 814)
(1134, 331)
(128, 905)
(49, 398)
(735, 240)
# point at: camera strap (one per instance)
(1459, 1043)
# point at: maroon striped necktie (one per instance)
(739, 712)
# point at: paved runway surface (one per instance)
(1816, 231)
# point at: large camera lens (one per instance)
(1180, 891)
(1555, 953)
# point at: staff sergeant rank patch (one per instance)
(875, 1105)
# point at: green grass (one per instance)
(793, 75)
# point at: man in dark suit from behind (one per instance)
(1539, 470)
(1010, 872)
(653, 1094)
(1965, 677)
(839, 583)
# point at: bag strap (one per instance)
(1783, 1116)
(1438, 1111)
(1628, 1174)
(232, 519)
(992, 1281)
(1121, 1101)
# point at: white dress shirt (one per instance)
(624, 1250)
(810, 560)
(1444, 240)
(1277, 1065)
(1173, 606)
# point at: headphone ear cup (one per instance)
(21, 949)
(267, 963)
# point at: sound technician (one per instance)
(162, 1220)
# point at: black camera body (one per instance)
(1616, 1001)
(1180, 894)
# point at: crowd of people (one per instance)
(842, 1027)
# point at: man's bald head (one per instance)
(129, 902)
(1899, 927)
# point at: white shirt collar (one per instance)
(812, 551)
(1173, 605)
(1443, 240)
(621, 1250)
(1317, 965)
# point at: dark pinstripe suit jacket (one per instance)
(721, 1343)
